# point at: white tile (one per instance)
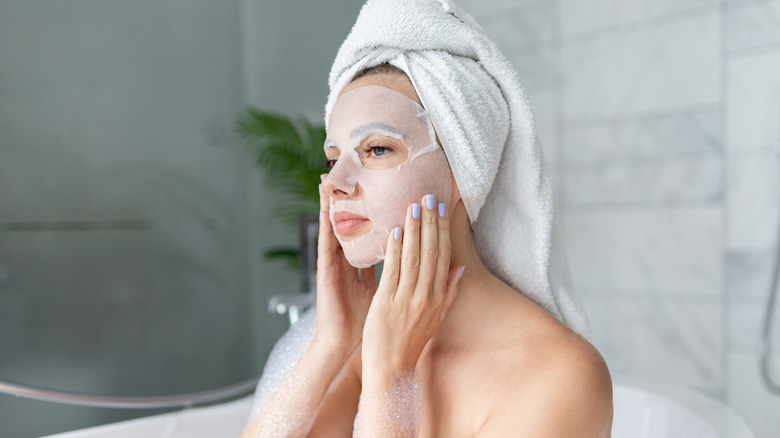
(666, 66)
(481, 9)
(535, 63)
(668, 180)
(643, 137)
(753, 25)
(746, 324)
(521, 26)
(588, 15)
(671, 251)
(753, 110)
(753, 194)
(749, 397)
(660, 340)
(749, 274)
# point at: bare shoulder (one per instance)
(561, 388)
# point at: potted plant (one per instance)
(289, 152)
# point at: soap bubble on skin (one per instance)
(399, 410)
(284, 371)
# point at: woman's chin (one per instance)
(363, 256)
(364, 262)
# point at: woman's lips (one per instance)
(347, 222)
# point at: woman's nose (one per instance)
(341, 182)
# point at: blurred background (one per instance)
(132, 221)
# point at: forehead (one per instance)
(372, 104)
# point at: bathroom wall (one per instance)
(123, 255)
(659, 121)
(132, 222)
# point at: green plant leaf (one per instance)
(289, 151)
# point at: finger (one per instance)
(391, 270)
(324, 198)
(445, 252)
(429, 246)
(326, 243)
(453, 280)
(410, 250)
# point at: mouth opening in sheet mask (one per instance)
(384, 154)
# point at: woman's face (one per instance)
(385, 157)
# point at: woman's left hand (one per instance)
(415, 292)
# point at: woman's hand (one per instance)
(343, 292)
(415, 292)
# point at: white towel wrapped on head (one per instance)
(482, 117)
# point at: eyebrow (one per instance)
(371, 127)
(363, 131)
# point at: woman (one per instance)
(435, 170)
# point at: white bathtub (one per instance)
(641, 411)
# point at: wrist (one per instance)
(330, 351)
(379, 376)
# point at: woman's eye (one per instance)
(377, 151)
(328, 164)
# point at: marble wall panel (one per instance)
(665, 66)
(749, 274)
(535, 63)
(748, 395)
(746, 324)
(578, 16)
(482, 10)
(642, 182)
(634, 252)
(753, 201)
(671, 341)
(523, 25)
(753, 96)
(673, 133)
(752, 25)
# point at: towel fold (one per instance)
(484, 121)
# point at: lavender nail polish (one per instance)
(397, 233)
(430, 202)
(442, 210)
(416, 211)
(461, 272)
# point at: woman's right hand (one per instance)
(344, 292)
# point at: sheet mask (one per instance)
(380, 184)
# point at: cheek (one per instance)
(393, 190)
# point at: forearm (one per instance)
(390, 404)
(291, 409)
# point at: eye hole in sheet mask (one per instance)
(384, 156)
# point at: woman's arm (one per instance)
(343, 297)
(415, 292)
(291, 409)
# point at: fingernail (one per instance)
(442, 210)
(461, 271)
(322, 177)
(430, 202)
(397, 233)
(416, 211)
(320, 215)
